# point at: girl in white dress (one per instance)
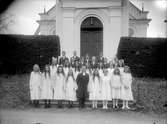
(66, 67)
(111, 68)
(94, 88)
(71, 87)
(59, 86)
(126, 90)
(121, 66)
(116, 87)
(106, 89)
(53, 67)
(35, 85)
(47, 89)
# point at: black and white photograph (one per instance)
(83, 61)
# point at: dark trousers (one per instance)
(60, 103)
(35, 103)
(70, 104)
(47, 103)
(82, 102)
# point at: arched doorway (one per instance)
(91, 37)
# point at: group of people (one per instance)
(95, 79)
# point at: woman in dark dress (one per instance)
(82, 82)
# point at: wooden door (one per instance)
(91, 37)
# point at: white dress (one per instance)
(94, 88)
(126, 90)
(71, 87)
(110, 71)
(66, 70)
(35, 85)
(121, 69)
(88, 72)
(116, 86)
(101, 72)
(47, 91)
(59, 87)
(76, 74)
(106, 88)
(53, 71)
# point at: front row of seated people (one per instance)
(67, 81)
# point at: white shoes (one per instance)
(105, 107)
(127, 107)
(123, 107)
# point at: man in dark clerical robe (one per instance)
(82, 82)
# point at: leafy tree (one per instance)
(6, 20)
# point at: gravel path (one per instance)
(75, 116)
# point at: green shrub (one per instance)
(146, 56)
(18, 53)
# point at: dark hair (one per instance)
(77, 68)
(70, 75)
(101, 65)
(45, 72)
(128, 68)
(62, 70)
(95, 75)
(116, 71)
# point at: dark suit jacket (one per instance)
(62, 60)
(93, 65)
(75, 58)
(82, 82)
(100, 59)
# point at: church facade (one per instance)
(93, 26)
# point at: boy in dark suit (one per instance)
(87, 60)
(100, 58)
(63, 58)
(75, 57)
(82, 82)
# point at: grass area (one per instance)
(14, 91)
(149, 94)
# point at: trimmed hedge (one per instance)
(146, 56)
(18, 53)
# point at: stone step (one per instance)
(87, 103)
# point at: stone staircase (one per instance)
(87, 103)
